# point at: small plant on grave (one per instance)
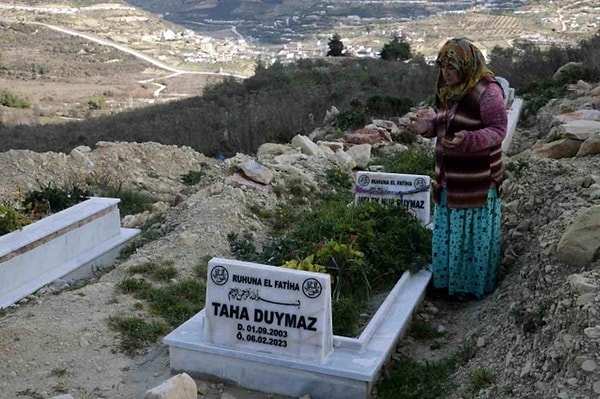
(137, 333)
(345, 315)
(243, 248)
(201, 268)
(397, 242)
(165, 272)
(260, 211)
(172, 302)
(418, 161)
(51, 198)
(346, 265)
(391, 240)
(307, 264)
(298, 191)
(404, 137)
(339, 179)
(279, 250)
(133, 285)
(132, 201)
(480, 379)
(192, 177)
(422, 330)
(158, 271)
(350, 119)
(11, 219)
(282, 216)
(409, 379)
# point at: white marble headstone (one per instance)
(268, 309)
(410, 191)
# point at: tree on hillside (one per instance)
(336, 47)
(398, 49)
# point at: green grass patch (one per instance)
(413, 380)
(415, 161)
(172, 302)
(480, 379)
(137, 333)
(423, 330)
(51, 198)
(192, 177)
(409, 379)
(157, 271)
(338, 179)
(132, 201)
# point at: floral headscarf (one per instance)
(465, 57)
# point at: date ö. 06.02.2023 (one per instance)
(261, 335)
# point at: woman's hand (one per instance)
(418, 125)
(453, 142)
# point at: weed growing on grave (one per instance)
(346, 265)
(480, 379)
(192, 177)
(409, 379)
(338, 179)
(174, 301)
(418, 161)
(242, 247)
(364, 247)
(51, 198)
(34, 205)
(422, 330)
(137, 333)
(346, 315)
(259, 211)
(158, 271)
(11, 219)
(171, 302)
(307, 264)
(201, 268)
(56, 372)
(282, 216)
(132, 202)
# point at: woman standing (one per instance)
(470, 124)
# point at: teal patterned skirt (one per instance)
(466, 247)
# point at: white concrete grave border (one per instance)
(71, 244)
(349, 371)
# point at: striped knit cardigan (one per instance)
(467, 176)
